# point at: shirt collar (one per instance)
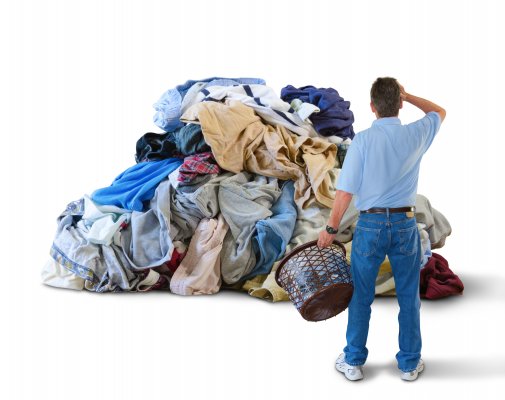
(387, 121)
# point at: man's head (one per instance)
(385, 97)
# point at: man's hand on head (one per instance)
(403, 93)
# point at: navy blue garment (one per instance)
(155, 146)
(274, 233)
(335, 117)
(189, 140)
(136, 186)
(184, 141)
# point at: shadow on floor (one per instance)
(455, 368)
(484, 286)
(465, 368)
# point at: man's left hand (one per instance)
(325, 239)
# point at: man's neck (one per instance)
(379, 117)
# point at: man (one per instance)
(381, 170)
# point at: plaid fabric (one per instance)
(198, 164)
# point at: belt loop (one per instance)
(387, 213)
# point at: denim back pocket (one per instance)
(408, 240)
(365, 240)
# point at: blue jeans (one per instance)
(376, 236)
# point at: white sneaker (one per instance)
(351, 372)
(412, 375)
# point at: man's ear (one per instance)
(373, 108)
(401, 103)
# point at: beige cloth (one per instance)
(56, 275)
(240, 141)
(200, 270)
(149, 281)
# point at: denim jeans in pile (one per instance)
(378, 235)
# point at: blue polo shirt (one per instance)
(381, 167)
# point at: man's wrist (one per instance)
(331, 230)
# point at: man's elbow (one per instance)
(343, 195)
(442, 114)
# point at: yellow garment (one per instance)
(240, 140)
(254, 283)
(385, 267)
(348, 248)
(268, 289)
(391, 292)
(385, 281)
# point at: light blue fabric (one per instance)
(273, 234)
(244, 199)
(168, 107)
(145, 243)
(136, 185)
(381, 167)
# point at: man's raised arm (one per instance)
(425, 105)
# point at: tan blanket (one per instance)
(240, 141)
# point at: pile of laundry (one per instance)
(238, 177)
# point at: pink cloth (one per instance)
(437, 279)
(200, 270)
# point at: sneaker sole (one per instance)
(341, 368)
(413, 378)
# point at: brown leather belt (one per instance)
(377, 210)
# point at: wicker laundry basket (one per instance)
(318, 280)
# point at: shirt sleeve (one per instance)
(427, 128)
(351, 175)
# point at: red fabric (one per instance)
(175, 260)
(163, 283)
(437, 279)
(197, 164)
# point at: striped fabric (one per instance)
(265, 103)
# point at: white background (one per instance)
(77, 84)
